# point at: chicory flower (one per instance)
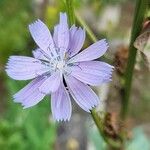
(57, 63)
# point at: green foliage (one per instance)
(27, 129)
(14, 17)
(10, 137)
(21, 129)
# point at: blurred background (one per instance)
(34, 128)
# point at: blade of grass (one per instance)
(70, 11)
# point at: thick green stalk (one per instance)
(140, 10)
(70, 11)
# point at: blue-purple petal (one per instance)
(92, 72)
(82, 94)
(77, 38)
(37, 53)
(94, 51)
(42, 37)
(51, 84)
(30, 95)
(55, 35)
(63, 33)
(61, 104)
(25, 68)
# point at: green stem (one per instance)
(94, 114)
(99, 123)
(90, 33)
(96, 118)
(141, 6)
(87, 28)
(70, 11)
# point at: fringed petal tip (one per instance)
(93, 73)
(62, 119)
(92, 52)
(63, 16)
(84, 96)
(63, 33)
(42, 36)
(30, 95)
(61, 104)
(93, 108)
(34, 22)
(105, 42)
(16, 100)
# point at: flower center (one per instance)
(60, 65)
(57, 62)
